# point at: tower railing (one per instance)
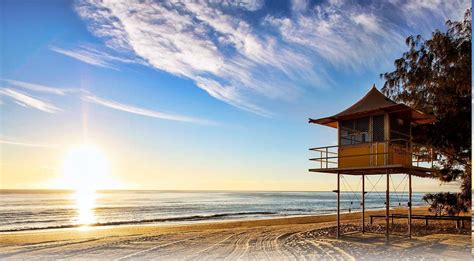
(390, 152)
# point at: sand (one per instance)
(292, 238)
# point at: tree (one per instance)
(445, 203)
(434, 76)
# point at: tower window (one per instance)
(354, 131)
(378, 128)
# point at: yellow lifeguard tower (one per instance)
(375, 138)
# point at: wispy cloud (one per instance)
(223, 54)
(28, 101)
(249, 62)
(299, 5)
(39, 87)
(24, 99)
(142, 111)
(422, 8)
(352, 40)
(93, 56)
(361, 35)
(26, 144)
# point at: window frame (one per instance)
(369, 134)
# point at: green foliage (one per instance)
(445, 203)
(434, 76)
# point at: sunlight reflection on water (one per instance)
(85, 201)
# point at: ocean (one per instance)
(22, 210)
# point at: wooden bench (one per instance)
(458, 219)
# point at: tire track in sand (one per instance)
(198, 255)
(147, 250)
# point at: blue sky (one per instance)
(214, 95)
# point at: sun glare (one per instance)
(85, 170)
(85, 206)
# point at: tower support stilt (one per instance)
(338, 203)
(409, 204)
(387, 209)
(363, 203)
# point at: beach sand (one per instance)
(292, 238)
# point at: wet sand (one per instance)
(292, 238)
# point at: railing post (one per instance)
(327, 157)
(376, 153)
(431, 158)
(321, 159)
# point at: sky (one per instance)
(212, 95)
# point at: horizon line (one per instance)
(196, 190)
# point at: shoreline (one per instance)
(213, 224)
(309, 218)
(311, 237)
(192, 220)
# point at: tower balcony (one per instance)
(373, 158)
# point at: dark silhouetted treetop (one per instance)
(434, 76)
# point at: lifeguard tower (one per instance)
(375, 138)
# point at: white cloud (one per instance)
(420, 13)
(357, 36)
(28, 101)
(93, 56)
(336, 36)
(83, 56)
(250, 5)
(453, 9)
(299, 5)
(142, 111)
(247, 63)
(25, 144)
(39, 87)
(201, 41)
(367, 21)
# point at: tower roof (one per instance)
(374, 101)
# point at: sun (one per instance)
(85, 168)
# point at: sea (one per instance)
(23, 210)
